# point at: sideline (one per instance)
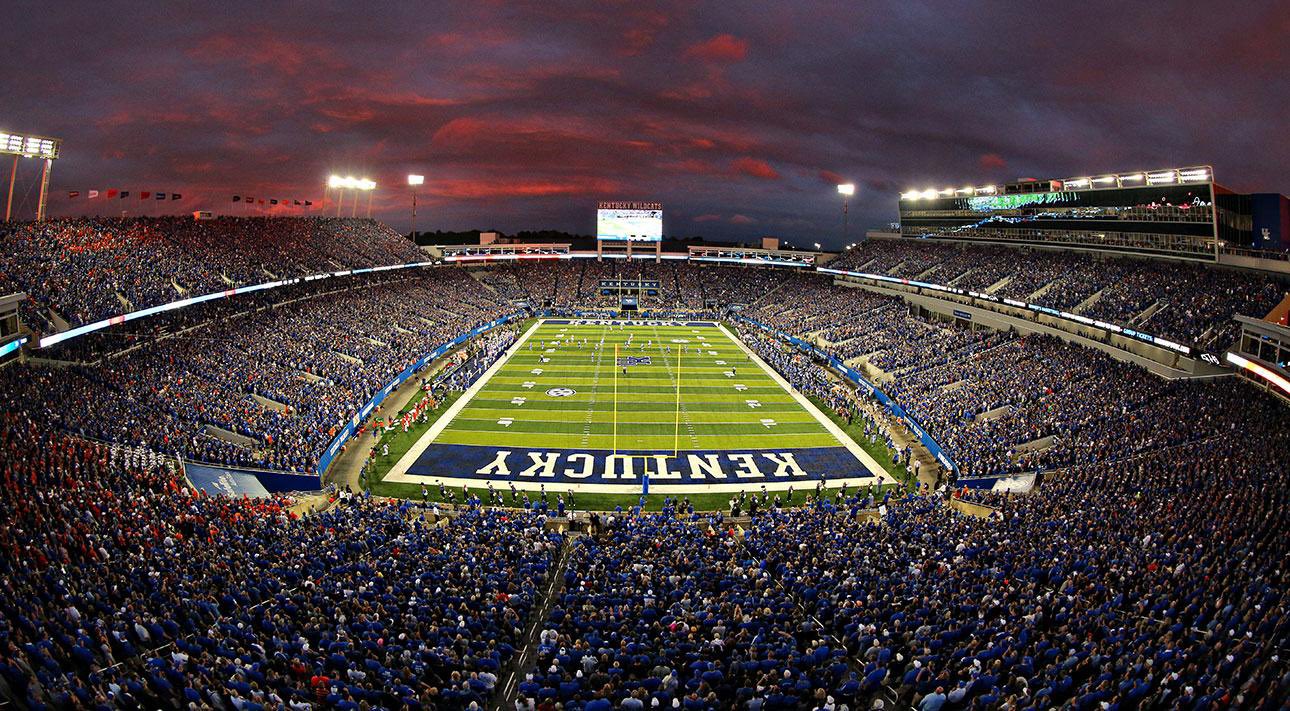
(398, 472)
(845, 440)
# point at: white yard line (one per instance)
(685, 411)
(595, 393)
(868, 461)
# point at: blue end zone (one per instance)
(571, 467)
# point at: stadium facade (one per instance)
(1175, 212)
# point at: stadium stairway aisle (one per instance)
(346, 468)
(508, 691)
(818, 629)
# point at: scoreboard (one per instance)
(629, 222)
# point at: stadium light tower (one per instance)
(413, 182)
(357, 185)
(368, 187)
(26, 146)
(338, 184)
(846, 190)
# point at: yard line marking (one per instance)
(685, 410)
(594, 399)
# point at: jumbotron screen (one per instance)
(629, 222)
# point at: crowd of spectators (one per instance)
(1179, 300)
(659, 612)
(1155, 583)
(126, 590)
(996, 402)
(86, 269)
(1159, 583)
(268, 388)
(271, 387)
(1146, 570)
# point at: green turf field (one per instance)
(561, 390)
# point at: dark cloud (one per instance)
(521, 114)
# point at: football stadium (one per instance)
(545, 357)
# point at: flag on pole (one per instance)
(112, 192)
(175, 196)
(144, 195)
(93, 194)
(237, 198)
(73, 193)
(125, 194)
(161, 196)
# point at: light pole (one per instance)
(413, 182)
(368, 186)
(44, 148)
(339, 184)
(846, 190)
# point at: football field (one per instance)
(605, 406)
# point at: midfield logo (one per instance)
(629, 361)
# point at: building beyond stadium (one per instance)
(1178, 212)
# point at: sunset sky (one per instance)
(739, 117)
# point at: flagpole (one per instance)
(676, 437)
(615, 398)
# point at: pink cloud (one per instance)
(992, 161)
(642, 32)
(755, 167)
(709, 217)
(724, 48)
(742, 220)
(264, 50)
(488, 188)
